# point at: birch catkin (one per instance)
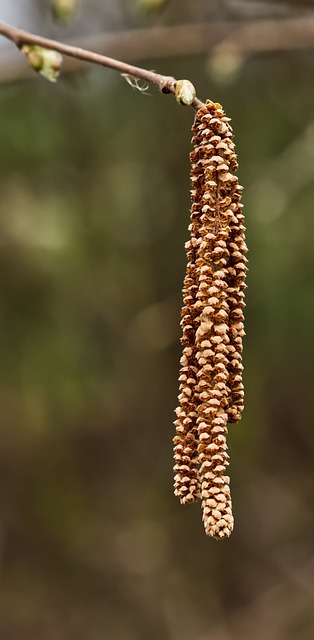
(211, 389)
(187, 486)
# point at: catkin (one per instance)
(211, 389)
(187, 486)
(236, 286)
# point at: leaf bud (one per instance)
(47, 62)
(184, 92)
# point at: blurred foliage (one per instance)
(64, 10)
(149, 6)
(93, 218)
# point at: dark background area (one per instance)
(94, 208)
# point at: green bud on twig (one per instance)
(63, 10)
(185, 92)
(47, 62)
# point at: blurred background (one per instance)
(94, 209)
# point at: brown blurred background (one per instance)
(94, 207)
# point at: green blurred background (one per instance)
(94, 208)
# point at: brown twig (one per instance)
(165, 84)
(249, 38)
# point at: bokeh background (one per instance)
(94, 208)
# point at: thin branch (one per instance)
(165, 84)
(136, 44)
(249, 38)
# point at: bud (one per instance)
(185, 92)
(47, 62)
(63, 10)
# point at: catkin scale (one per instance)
(211, 389)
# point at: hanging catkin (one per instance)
(211, 389)
(187, 486)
